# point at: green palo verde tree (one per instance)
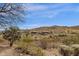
(12, 34)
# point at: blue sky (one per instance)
(49, 14)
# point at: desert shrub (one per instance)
(65, 50)
(73, 32)
(69, 50)
(67, 41)
(56, 38)
(45, 42)
(27, 46)
(50, 36)
(62, 35)
(12, 34)
(71, 40)
(1, 39)
(76, 49)
(35, 51)
(53, 45)
(26, 39)
(30, 48)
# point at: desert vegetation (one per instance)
(43, 41)
(11, 34)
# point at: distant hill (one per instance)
(53, 28)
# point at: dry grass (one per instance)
(49, 41)
(66, 50)
(52, 52)
(27, 46)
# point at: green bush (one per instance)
(26, 39)
(12, 34)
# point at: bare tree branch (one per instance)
(10, 14)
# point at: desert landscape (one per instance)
(44, 41)
(39, 29)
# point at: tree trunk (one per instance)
(11, 44)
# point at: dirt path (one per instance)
(5, 50)
(51, 52)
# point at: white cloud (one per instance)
(35, 8)
(48, 13)
(32, 7)
(39, 8)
